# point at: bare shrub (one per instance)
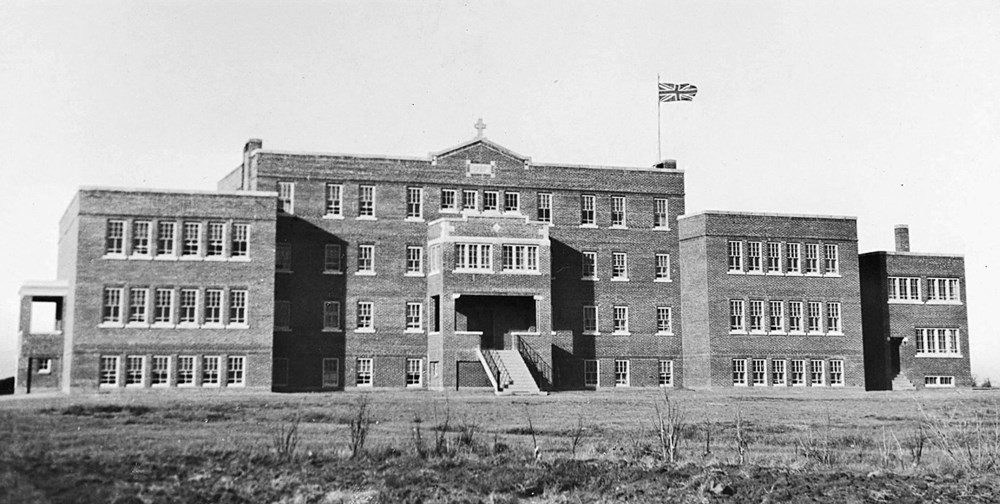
(360, 424)
(973, 444)
(441, 430)
(285, 438)
(577, 435)
(669, 424)
(417, 438)
(740, 436)
(534, 440)
(819, 448)
(467, 434)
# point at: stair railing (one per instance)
(497, 369)
(541, 371)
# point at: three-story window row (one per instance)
(164, 239)
(172, 371)
(755, 372)
(760, 257)
(168, 307)
(784, 317)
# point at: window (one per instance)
(735, 256)
(112, 313)
(286, 197)
(44, 366)
(590, 319)
(364, 373)
(414, 317)
(109, 371)
(792, 258)
(817, 376)
(238, 307)
(660, 214)
(141, 238)
(666, 373)
(331, 372)
(833, 317)
(778, 376)
(756, 315)
(812, 258)
(366, 319)
(618, 211)
(283, 258)
(191, 246)
(165, 238)
(163, 306)
(213, 306)
(279, 372)
(776, 313)
(939, 381)
(236, 371)
(436, 259)
(831, 261)
(773, 257)
(414, 372)
(795, 316)
(185, 370)
(937, 342)
(740, 372)
(544, 207)
(620, 320)
(591, 373)
(753, 257)
(240, 242)
(470, 200)
(662, 272)
(519, 258)
(449, 201)
(837, 373)
(216, 239)
(621, 373)
(590, 265)
(334, 200)
(619, 266)
(114, 242)
(814, 317)
(511, 202)
(587, 210)
(491, 201)
(331, 315)
(366, 259)
(415, 261)
(758, 372)
(473, 257)
(135, 369)
(366, 201)
(736, 311)
(943, 290)
(798, 372)
(137, 302)
(414, 203)
(189, 306)
(904, 289)
(210, 371)
(664, 320)
(332, 258)
(159, 373)
(282, 315)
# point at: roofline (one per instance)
(768, 214)
(44, 288)
(916, 254)
(338, 154)
(254, 194)
(604, 167)
(491, 143)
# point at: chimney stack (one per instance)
(902, 238)
(666, 164)
(251, 145)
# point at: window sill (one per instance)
(520, 272)
(620, 333)
(333, 216)
(796, 333)
(191, 258)
(450, 210)
(591, 333)
(114, 256)
(165, 257)
(213, 325)
(332, 330)
(332, 272)
(660, 333)
(774, 273)
(832, 275)
(945, 303)
(660, 228)
(906, 301)
(474, 272)
(736, 272)
(589, 279)
(812, 274)
(363, 330)
(364, 273)
(755, 272)
(414, 275)
(211, 385)
(663, 280)
(239, 258)
(414, 219)
(835, 333)
(777, 333)
(588, 226)
(793, 273)
(413, 331)
(137, 325)
(185, 385)
(187, 325)
(111, 325)
(235, 385)
(757, 332)
(140, 257)
(238, 326)
(619, 279)
(366, 218)
(739, 332)
(939, 355)
(613, 226)
(216, 258)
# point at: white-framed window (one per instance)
(660, 209)
(238, 307)
(812, 258)
(939, 381)
(662, 268)
(588, 212)
(239, 244)
(491, 201)
(753, 257)
(833, 318)
(366, 201)
(283, 258)
(519, 258)
(286, 197)
(216, 239)
(414, 260)
(282, 315)
(773, 257)
(545, 207)
(937, 342)
(236, 371)
(619, 266)
(904, 289)
(414, 317)
(331, 372)
(944, 290)
(622, 378)
(449, 200)
(414, 202)
(141, 238)
(473, 257)
(470, 200)
(779, 375)
(159, 371)
(112, 311)
(831, 259)
(135, 370)
(590, 319)
(138, 300)
(591, 373)
(776, 316)
(737, 319)
(758, 372)
(664, 320)
(798, 372)
(620, 320)
(618, 210)
(191, 243)
(792, 256)
(511, 202)
(332, 258)
(836, 373)
(185, 370)
(414, 372)
(365, 372)
(366, 317)
(665, 376)
(817, 372)
(589, 265)
(795, 316)
(366, 259)
(44, 366)
(735, 256)
(740, 372)
(814, 318)
(211, 371)
(334, 206)
(109, 371)
(166, 238)
(331, 315)
(188, 307)
(163, 306)
(756, 317)
(436, 258)
(114, 239)
(213, 306)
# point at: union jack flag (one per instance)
(677, 92)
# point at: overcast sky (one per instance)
(887, 111)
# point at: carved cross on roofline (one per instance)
(480, 126)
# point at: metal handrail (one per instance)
(498, 370)
(539, 367)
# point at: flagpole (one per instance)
(659, 143)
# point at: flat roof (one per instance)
(766, 214)
(257, 194)
(915, 254)
(44, 288)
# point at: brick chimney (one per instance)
(251, 145)
(902, 238)
(667, 164)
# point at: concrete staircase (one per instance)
(521, 382)
(900, 382)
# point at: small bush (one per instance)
(285, 439)
(360, 425)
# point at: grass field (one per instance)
(605, 446)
